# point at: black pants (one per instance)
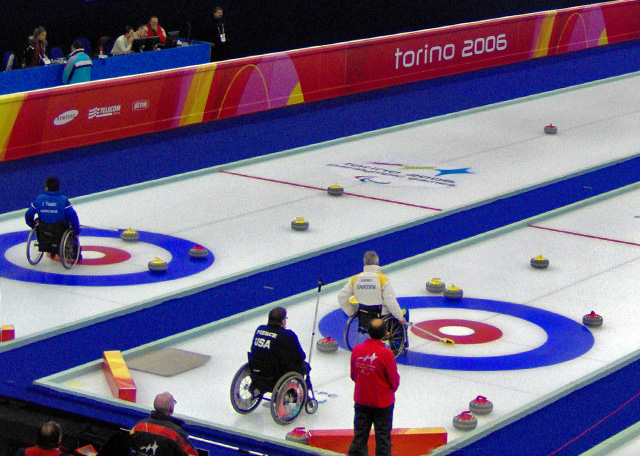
(382, 420)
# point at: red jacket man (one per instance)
(375, 373)
(153, 28)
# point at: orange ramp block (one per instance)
(118, 377)
(406, 442)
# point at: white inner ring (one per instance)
(92, 254)
(456, 330)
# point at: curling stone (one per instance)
(335, 190)
(299, 224)
(551, 129)
(453, 292)
(435, 285)
(539, 262)
(158, 265)
(197, 251)
(129, 235)
(298, 435)
(465, 421)
(592, 320)
(327, 345)
(481, 406)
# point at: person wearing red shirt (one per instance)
(47, 443)
(375, 374)
(153, 28)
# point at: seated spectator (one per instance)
(47, 443)
(78, 67)
(153, 28)
(141, 32)
(123, 44)
(162, 431)
(36, 52)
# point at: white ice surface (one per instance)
(244, 219)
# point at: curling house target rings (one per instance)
(181, 264)
(566, 339)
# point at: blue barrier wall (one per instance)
(120, 65)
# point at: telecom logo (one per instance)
(401, 174)
(65, 117)
(139, 105)
(107, 111)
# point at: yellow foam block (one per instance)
(118, 377)
(8, 333)
(405, 441)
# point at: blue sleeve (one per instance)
(29, 217)
(72, 218)
(67, 70)
(298, 348)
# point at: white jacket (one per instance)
(371, 288)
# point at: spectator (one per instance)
(161, 430)
(375, 374)
(279, 346)
(78, 67)
(218, 35)
(47, 443)
(36, 52)
(122, 45)
(153, 28)
(141, 32)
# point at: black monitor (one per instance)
(147, 43)
(172, 39)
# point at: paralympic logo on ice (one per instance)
(397, 173)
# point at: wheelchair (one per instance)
(56, 239)
(355, 332)
(288, 393)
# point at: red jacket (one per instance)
(37, 451)
(375, 373)
(159, 32)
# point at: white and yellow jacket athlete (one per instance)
(371, 288)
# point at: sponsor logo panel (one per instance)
(65, 117)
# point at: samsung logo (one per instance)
(65, 117)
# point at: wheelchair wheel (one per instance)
(288, 397)
(311, 406)
(396, 336)
(353, 333)
(243, 396)
(34, 254)
(69, 251)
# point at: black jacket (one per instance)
(160, 435)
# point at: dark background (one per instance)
(253, 27)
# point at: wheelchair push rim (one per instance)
(243, 398)
(288, 398)
(395, 339)
(69, 249)
(34, 254)
(354, 334)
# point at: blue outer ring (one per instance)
(181, 265)
(566, 339)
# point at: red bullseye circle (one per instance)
(482, 332)
(110, 255)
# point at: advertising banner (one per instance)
(48, 120)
